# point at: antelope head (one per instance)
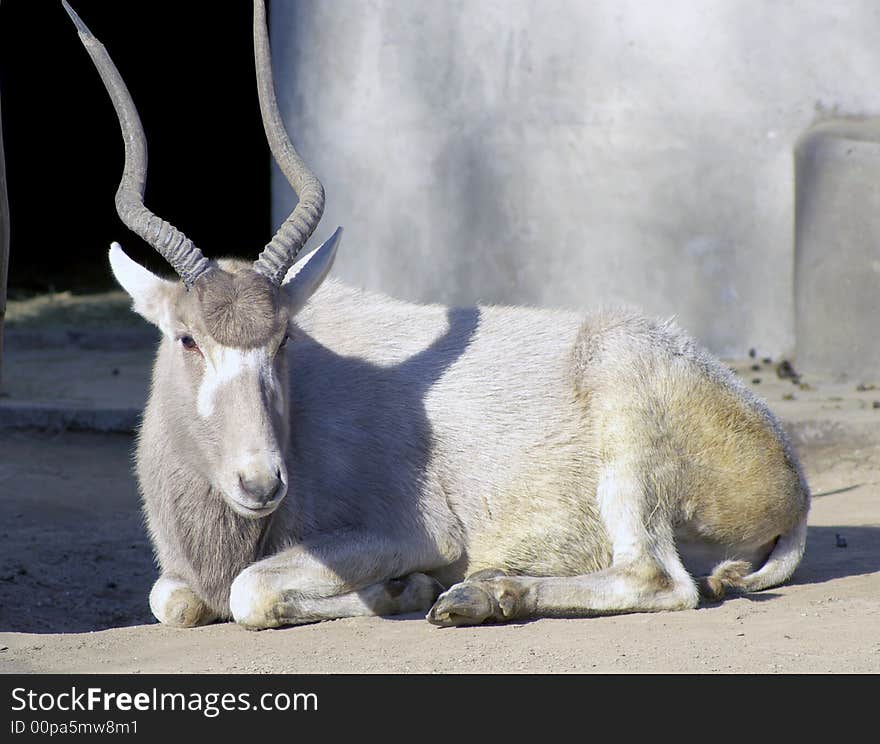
(224, 324)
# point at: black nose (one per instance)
(261, 488)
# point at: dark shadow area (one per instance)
(190, 70)
(824, 560)
(74, 554)
(831, 553)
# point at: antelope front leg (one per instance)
(348, 577)
(174, 603)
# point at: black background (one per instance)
(189, 67)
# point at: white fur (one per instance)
(161, 593)
(223, 365)
(173, 602)
(304, 277)
(244, 598)
(148, 291)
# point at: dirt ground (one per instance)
(76, 568)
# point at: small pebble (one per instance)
(841, 541)
(752, 353)
(784, 369)
(875, 404)
(756, 380)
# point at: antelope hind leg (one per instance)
(641, 587)
(645, 575)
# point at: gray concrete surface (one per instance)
(568, 153)
(93, 382)
(76, 362)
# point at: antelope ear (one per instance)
(151, 295)
(305, 276)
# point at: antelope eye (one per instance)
(188, 342)
(284, 341)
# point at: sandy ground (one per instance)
(76, 567)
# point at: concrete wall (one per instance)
(572, 152)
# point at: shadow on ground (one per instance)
(78, 581)
(83, 580)
(74, 553)
(838, 552)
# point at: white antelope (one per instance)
(311, 451)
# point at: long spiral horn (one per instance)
(175, 247)
(280, 253)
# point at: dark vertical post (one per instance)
(4, 247)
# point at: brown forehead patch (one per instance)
(239, 309)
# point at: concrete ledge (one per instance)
(855, 432)
(55, 416)
(30, 339)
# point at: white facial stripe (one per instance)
(223, 364)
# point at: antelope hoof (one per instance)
(475, 602)
(173, 603)
(463, 604)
